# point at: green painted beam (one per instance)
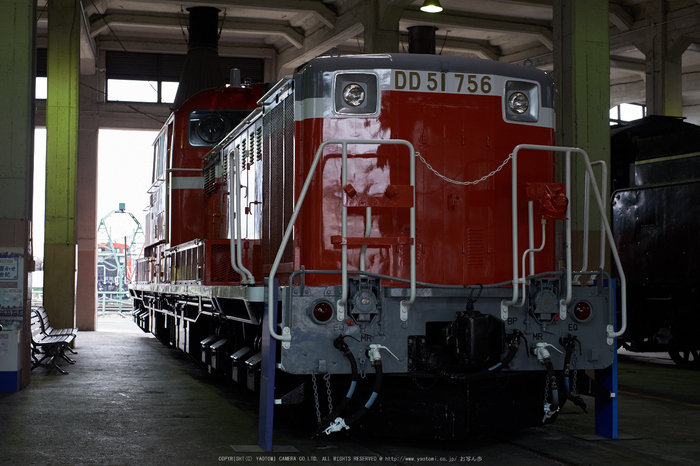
(63, 70)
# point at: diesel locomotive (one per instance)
(402, 210)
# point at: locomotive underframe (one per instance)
(186, 315)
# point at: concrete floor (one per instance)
(129, 401)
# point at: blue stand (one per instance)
(606, 409)
(267, 374)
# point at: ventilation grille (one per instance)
(210, 180)
(219, 265)
(475, 247)
(278, 178)
(258, 144)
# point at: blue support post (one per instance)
(606, 409)
(267, 375)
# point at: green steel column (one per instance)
(63, 69)
(18, 36)
(582, 77)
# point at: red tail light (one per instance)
(322, 312)
(582, 311)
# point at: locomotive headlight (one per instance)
(354, 95)
(518, 103)
(521, 101)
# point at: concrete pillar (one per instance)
(664, 52)
(582, 78)
(17, 33)
(60, 250)
(381, 22)
(86, 296)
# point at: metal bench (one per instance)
(48, 346)
(49, 330)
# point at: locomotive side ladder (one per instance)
(343, 240)
(606, 410)
(517, 280)
(395, 197)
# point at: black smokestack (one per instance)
(421, 39)
(202, 69)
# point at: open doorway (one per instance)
(124, 176)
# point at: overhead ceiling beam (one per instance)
(318, 8)
(542, 3)
(149, 45)
(683, 23)
(171, 22)
(346, 27)
(88, 51)
(538, 29)
(631, 64)
(635, 91)
(478, 47)
(620, 17)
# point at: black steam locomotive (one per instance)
(656, 224)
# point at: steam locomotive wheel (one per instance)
(684, 354)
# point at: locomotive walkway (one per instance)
(131, 401)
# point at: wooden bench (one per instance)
(49, 330)
(48, 346)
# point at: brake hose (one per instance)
(339, 423)
(340, 344)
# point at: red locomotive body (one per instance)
(382, 192)
(460, 236)
(177, 214)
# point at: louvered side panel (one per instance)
(278, 181)
(288, 202)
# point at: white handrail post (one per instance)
(342, 302)
(623, 279)
(286, 337)
(569, 291)
(404, 305)
(232, 160)
(514, 228)
(249, 279)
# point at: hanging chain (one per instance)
(465, 183)
(327, 378)
(318, 405)
(546, 391)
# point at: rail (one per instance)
(405, 304)
(517, 280)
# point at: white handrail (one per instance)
(286, 336)
(586, 216)
(601, 205)
(531, 251)
(232, 214)
(368, 233)
(405, 304)
(239, 249)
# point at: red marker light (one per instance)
(582, 311)
(323, 312)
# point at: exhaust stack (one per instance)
(421, 39)
(202, 68)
